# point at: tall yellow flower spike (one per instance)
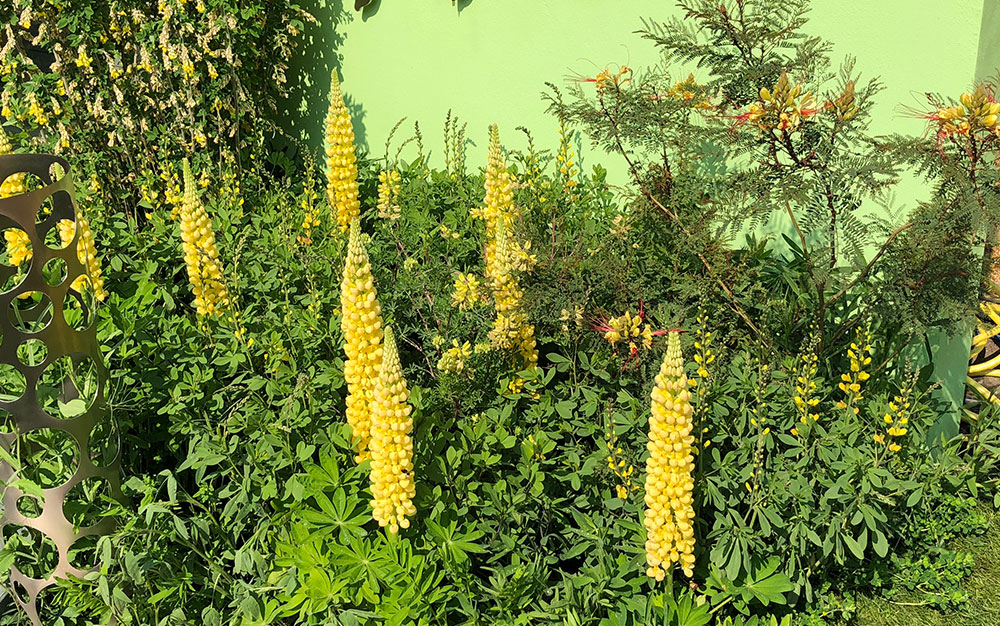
(15, 183)
(392, 479)
(503, 258)
(361, 322)
(86, 252)
(342, 168)
(498, 204)
(669, 469)
(200, 252)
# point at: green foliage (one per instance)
(244, 505)
(125, 87)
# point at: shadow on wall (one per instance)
(370, 7)
(301, 114)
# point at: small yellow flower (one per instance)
(466, 293)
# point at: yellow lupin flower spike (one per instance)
(498, 204)
(86, 252)
(342, 168)
(361, 322)
(669, 483)
(200, 252)
(392, 479)
(511, 329)
(14, 184)
(389, 186)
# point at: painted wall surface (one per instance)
(488, 61)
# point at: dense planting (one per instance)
(354, 390)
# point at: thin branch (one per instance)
(676, 219)
(871, 264)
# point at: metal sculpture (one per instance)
(52, 385)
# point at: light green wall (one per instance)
(488, 61)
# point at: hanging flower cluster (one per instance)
(341, 162)
(781, 108)
(669, 483)
(389, 186)
(392, 480)
(86, 253)
(361, 322)
(14, 184)
(859, 356)
(200, 253)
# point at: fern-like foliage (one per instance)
(768, 136)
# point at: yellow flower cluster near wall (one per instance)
(361, 322)
(392, 483)
(975, 112)
(498, 204)
(669, 483)
(341, 162)
(200, 253)
(15, 183)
